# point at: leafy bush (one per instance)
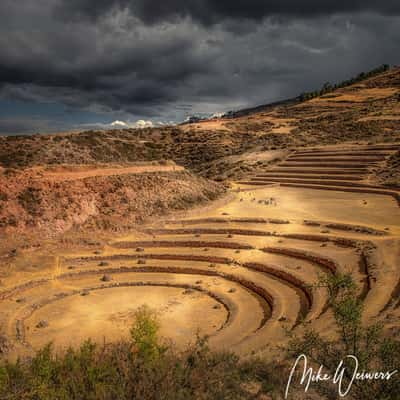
(144, 334)
(145, 368)
(374, 350)
(141, 368)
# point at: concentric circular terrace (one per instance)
(242, 273)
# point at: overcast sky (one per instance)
(71, 64)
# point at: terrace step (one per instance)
(331, 164)
(313, 171)
(314, 181)
(309, 176)
(343, 153)
(336, 159)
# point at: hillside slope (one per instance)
(110, 187)
(366, 111)
(55, 202)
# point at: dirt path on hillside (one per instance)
(74, 175)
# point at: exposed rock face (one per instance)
(99, 202)
(42, 324)
(106, 278)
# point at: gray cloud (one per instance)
(133, 60)
(209, 12)
(14, 126)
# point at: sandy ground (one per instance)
(110, 313)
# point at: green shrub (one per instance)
(373, 350)
(141, 368)
(144, 334)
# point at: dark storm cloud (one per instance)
(14, 126)
(213, 11)
(112, 64)
(163, 60)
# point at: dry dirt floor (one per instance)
(240, 270)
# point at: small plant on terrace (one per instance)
(374, 350)
(145, 334)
